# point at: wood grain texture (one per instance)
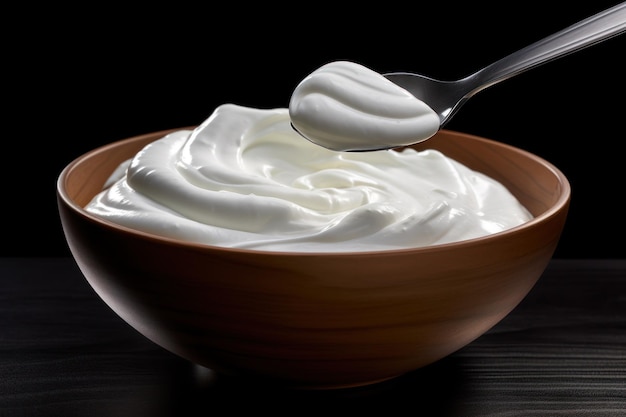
(561, 352)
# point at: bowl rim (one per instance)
(561, 203)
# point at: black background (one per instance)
(75, 79)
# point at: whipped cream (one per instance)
(345, 106)
(244, 178)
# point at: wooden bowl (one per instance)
(311, 320)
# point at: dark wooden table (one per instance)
(561, 352)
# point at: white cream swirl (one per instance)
(245, 179)
(345, 106)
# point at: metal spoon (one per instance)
(446, 97)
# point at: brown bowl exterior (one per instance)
(317, 320)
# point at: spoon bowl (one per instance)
(447, 97)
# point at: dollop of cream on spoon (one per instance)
(345, 106)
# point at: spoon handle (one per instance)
(601, 26)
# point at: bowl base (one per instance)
(345, 386)
(210, 376)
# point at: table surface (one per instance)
(561, 352)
